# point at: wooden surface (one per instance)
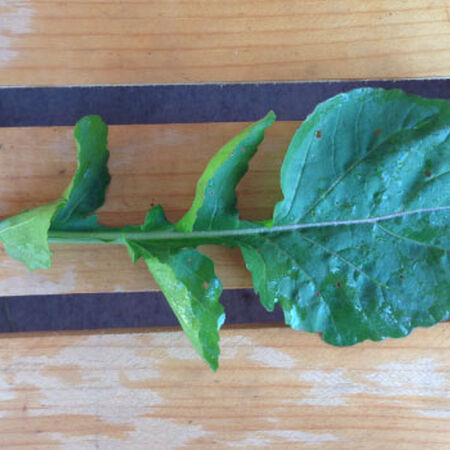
(276, 388)
(167, 41)
(149, 164)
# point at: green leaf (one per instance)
(25, 236)
(357, 249)
(214, 206)
(360, 243)
(86, 192)
(188, 282)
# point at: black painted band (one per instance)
(117, 310)
(189, 103)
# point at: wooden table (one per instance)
(147, 389)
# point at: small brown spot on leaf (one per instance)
(378, 132)
(318, 134)
(62, 171)
(427, 173)
(339, 284)
(401, 277)
(205, 285)
(317, 294)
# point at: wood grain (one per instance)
(129, 41)
(276, 388)
(150, 164)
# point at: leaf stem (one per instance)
(115, 236)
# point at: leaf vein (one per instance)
(413, 241)
(347, 172)
(346, 261)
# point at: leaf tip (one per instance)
(271, 116)
(213, 363)
(93, 119)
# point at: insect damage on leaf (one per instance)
(358, 248)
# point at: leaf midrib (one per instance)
(210, 236)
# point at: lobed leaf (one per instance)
(357, 249)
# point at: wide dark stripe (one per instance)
(119, 310)
(37, 106)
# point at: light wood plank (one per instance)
(109, 41)
(150, 164)
(276, 388)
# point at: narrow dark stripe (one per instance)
(118, 310)
(50, 106)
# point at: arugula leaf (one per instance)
(357, 249)
(188, 281)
